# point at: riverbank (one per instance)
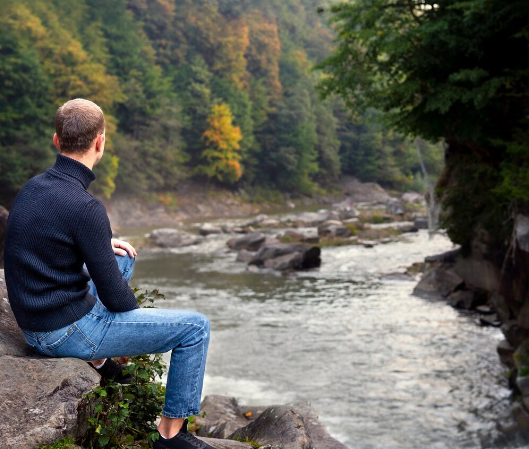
(195, 201)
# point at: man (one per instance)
(55, 227)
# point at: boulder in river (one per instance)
(467, 299)
(441, 279)
(346, 209)
(401, 226)
(310, 254)
(394, 207)
(209, 229)
(244, 256)
(294, 236)
(292, 261)
(249, 242)
(421, 222)
(257, 220)
(172, 238)
(412, 197)
(333, 229)
(311, 218)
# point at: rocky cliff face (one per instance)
(497, 287)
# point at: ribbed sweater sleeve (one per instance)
(93, 238)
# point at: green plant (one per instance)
(352, 228)
(523, 371)
(192, 425)
(63, 443)
(123, 416)
(335, 241)
(247, 441)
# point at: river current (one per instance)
(382, 368)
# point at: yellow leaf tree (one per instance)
(221, 156)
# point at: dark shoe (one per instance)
(112, 370)
(182, 440)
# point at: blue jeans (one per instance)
(102, 333)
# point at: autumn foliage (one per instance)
(222, 156)
(222, 88)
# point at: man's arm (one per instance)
(93, 238)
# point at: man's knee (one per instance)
(203, 321)
(126, 264)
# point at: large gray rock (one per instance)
(346, 209)
(292, 261)
(394, 207)
(402, 226)
(311, 218)
(219, 417)
(363, 191)
(332, 230)
(257, 220)
(3, 224)
(310, 254)
(421, 222)
(172, 238)
(41, 398)
(270, 223)
(209, 229)
(249, 242)
(279, 426)
(219, 413)
(244, 256)
(40, 395)
(441, 280)
(412, 197)
(467, 299)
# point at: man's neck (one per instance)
(84, 159)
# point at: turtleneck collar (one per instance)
(73, 168)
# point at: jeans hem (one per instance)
(181, 415)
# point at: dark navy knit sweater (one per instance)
(54, 227)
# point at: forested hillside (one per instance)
(214, 89)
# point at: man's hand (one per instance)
(121, 248)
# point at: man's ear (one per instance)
(100, 142)
(56, 141)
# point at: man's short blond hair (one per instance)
(77, 123)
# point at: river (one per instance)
(382, 368)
